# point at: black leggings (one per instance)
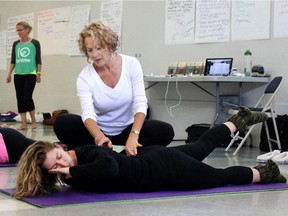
(24, 86)
(16, 143)
(70, 129)
(182, 167)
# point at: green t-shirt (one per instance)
(25, 58)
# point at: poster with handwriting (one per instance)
(212, 21)
(60, 27)
(250, 20)
(111, 15)
(45, 31)
(79, 18)
(53, 31)
(179, 21)
(281, 18)
(11, 29)
(3, 59)
(61, 30)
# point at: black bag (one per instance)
(195, 131)
(282, 126)
(55, 114)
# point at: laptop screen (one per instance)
(218, 66)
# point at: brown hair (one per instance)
(101, 34)
(32, 178)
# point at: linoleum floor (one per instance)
(258, 203)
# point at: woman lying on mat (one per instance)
(12, 144)
(155, 168)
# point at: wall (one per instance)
(143, 32)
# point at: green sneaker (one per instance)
(270, 173)
(245, 118)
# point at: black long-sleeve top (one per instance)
(101, 169)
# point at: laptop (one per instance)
(218, 66)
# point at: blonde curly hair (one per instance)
(101, 34)
(32, 178)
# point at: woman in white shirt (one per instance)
(112, 98)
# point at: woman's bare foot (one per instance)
(34, 126)
(22, 127)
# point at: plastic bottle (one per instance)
(248, 62)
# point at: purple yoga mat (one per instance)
(7, 165)
(72, 196)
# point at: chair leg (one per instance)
(234, 137)
(276, 133)
(243, 140)
(268, 136)
(250, 138)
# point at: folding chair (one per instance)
(263, 105)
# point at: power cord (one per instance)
(169, 109)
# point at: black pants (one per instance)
(70, 129)
(181, 167)
(16, 143)
(24, 86)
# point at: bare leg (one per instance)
(24, 121)
(231, 126)
(33, 119)
(256, 176)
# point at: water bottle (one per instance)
(248, 62)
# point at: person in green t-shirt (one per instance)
(26, 64)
